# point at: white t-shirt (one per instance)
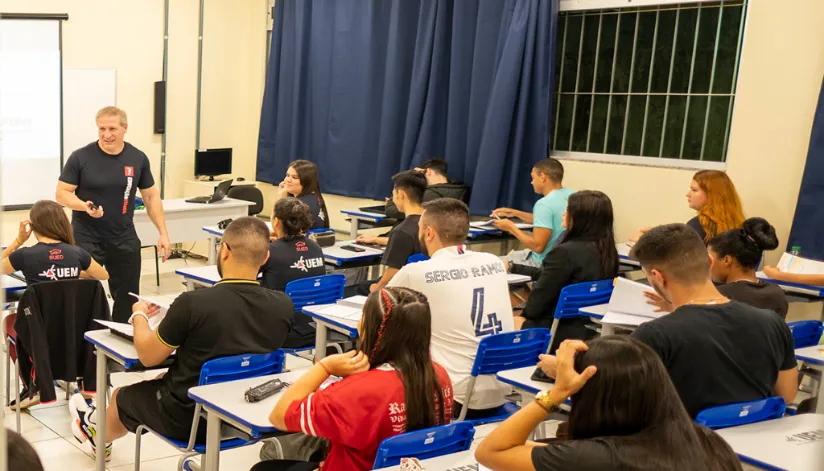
(460, 284)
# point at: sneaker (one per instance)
(25, 400)
(84, 425)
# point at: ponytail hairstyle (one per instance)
(746, 245)
(396, 329)
(722, 211)
(49, 220)
(294, 217)
(310, 182)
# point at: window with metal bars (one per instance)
(647, 81)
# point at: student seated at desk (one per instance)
(236, 316)
(717, 351)
(403, 239)
(587, 254)
(734, 256)
(460, 285)
(625, 415)
(291, 257)
(302, 182)
(713, 195)
(390, 386)
(54, 257)
(547, 180)
(438, 185)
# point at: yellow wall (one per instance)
(128, 36)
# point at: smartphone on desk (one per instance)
(353, 248)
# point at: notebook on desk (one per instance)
(374, 209)
(18, 275)
(125, 330)
(628, 305)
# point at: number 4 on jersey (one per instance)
(492, 324)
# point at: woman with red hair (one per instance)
(713, 195)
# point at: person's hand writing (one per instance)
(91, 211)
(23, 232)
(567, 380)
(661, 304)
(504, 224)
(548, 364)
(149, 309)
(346, 364)
(502, 212)
(366, 239)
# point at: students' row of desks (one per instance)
(789, 443)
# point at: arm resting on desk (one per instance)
(776, 274)
(151, 351)
(307, 384)
(507, 446)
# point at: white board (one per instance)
(85, 92)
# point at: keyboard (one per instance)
(199, 199)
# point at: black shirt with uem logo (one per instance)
(50, 262)
(110, 181)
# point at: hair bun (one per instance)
(761, 233)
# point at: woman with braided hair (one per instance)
(390, 386)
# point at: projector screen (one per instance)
(30, 110)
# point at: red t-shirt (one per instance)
(357, 413)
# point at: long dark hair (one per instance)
(746, 245)
(49, 220)
(310, 183)
(294, 217)
(590, 214)
(397, 328)
(632, 402)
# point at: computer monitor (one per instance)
(213, 162)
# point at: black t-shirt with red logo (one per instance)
(290, 260)
(110, 181)
(50, 262)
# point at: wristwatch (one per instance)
(542, 399)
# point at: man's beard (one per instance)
(220, 267)
(422, 242)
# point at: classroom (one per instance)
(345, 235)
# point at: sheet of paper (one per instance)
(353, 301)
(628, 298)
(624, 319)
(118, 326)
(341, 312)
(514, 278)
(799, 265)
(623, 249)
(486, 225)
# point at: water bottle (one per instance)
(795, 250)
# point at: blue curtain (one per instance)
(808, 222)
(367, 88)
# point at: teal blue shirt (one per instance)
(549, 213)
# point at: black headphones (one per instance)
(222, 225)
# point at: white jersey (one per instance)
(468, 296)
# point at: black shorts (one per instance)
(148, 403)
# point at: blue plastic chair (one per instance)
(806, 333)
(742, 413)
(416, 257)
(426, 443)
(324, 289)
(219, 370)
(504, 351)
(574, 297)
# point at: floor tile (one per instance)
(60, 455)
(58, 419)
(152, 448)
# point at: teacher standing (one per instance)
(98, 183)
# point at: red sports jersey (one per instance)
(357, 413)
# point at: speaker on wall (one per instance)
(159, 107)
